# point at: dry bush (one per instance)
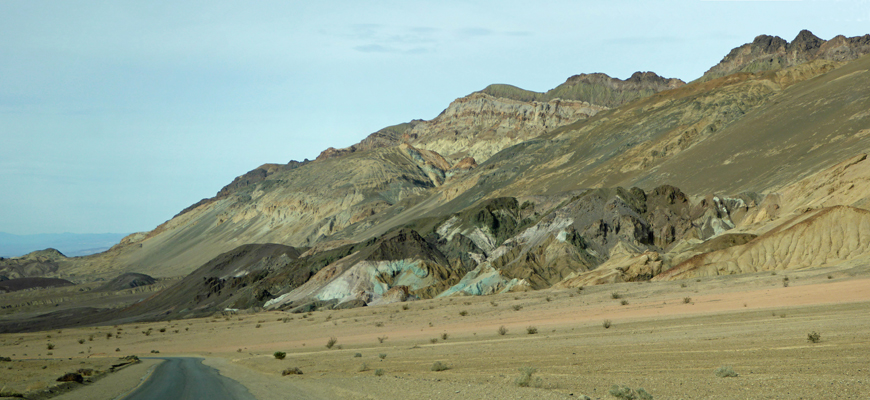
(439, 366)
(331, 342)
(502, 330)
(279, 355)
(726, 371)
(525, 379)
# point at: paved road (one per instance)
(184, 378)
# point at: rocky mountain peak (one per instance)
(767, 53)
(805, 41)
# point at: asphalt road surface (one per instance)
(185, 378)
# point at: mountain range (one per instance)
(758, 165)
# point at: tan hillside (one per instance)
(820, 238)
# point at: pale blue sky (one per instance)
(115, 115)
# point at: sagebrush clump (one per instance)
(279, 355)
(627, 393)
(726, 371)
(525, 379)
(439, 366)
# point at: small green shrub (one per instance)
(291, 371)
(687, 300)
(357, 355)
(606, 324)
(331, 342)
(463, 313)
(405, 307)
(531, 330)
(517, 307)
(624, 302)
(81, 341)
(439, 366)
(363, 367)
(525, 379)
(444, 336)
(50, 346)
(379, 372)
(279, 355)
(502, 330)
(627, 393)
(615, 295)
(433, 340)
(726, 371)
(814, 337)
(382, 356)
(381, 339)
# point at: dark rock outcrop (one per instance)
(767, 53)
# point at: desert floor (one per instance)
(669, 338)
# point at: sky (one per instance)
(116, 115)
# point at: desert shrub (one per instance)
(357, 355)
(517, 307)
(627, 393)
(580, 289)
(525, 379)
(91, 338)
(50, 346)
(433, 340)
(405, 307)
(257, 326)
(726, 371)
(379, 324)
(614, 295)
(493, 303)
(381, 339)
(444, 336)
(606, 324)
(531, 330)
(162, 330)
(687, 300)
(785, 282)
(379, 372)
(624, 302)
(439, 366)
(502, 330)
(548, 298)
(81, 341)
(279, 355)
(331, 342)
(117, 349)
(109, 335)
(830, 276)
(463, 313)
(814, 337)
(363, 368)
(682, 285)
(291, 371)
(382, 356)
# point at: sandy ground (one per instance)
(669, 338)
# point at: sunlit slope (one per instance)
(295, 207)
(737, 133)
